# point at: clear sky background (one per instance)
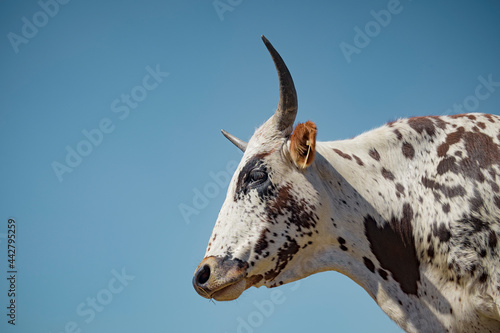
(102, 244)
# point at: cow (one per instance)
(409, 211)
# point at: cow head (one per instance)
(270, 217)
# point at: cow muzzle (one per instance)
(219, 278)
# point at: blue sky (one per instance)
(140, 90)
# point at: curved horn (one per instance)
(287, 105)
(237, 142)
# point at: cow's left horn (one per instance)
(237, 142)
(287, 105)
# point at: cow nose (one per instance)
(201, 276)
(205, 276)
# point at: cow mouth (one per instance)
(230, 292)
(221, 291)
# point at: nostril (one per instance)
(203, 275)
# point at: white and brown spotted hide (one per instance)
(410, 211)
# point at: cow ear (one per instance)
(303, 144)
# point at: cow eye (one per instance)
(257, 177)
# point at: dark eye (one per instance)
(257, 177)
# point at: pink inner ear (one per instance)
(303, 144)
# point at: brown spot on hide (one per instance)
(400, 188)
(492, 240)
(374, 154)
(422, 124)
(387, 174)
(408, 150)
(490, 118)
(448, 191)
(474, 224)
(446, 208)
(441, 232)
(254, 279)
(342, 154)
(369, 264)
(481, 149)
(451, 139)
(301, 214)
(398, 134)
(476, 202)
(342, 242)
(358, 160)
(382, 273)
(470, 169)
(394, 247)
(440, 123)
(261, 242)
(430, 252)
(461, 115)
(446, 165)
(285, 254)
